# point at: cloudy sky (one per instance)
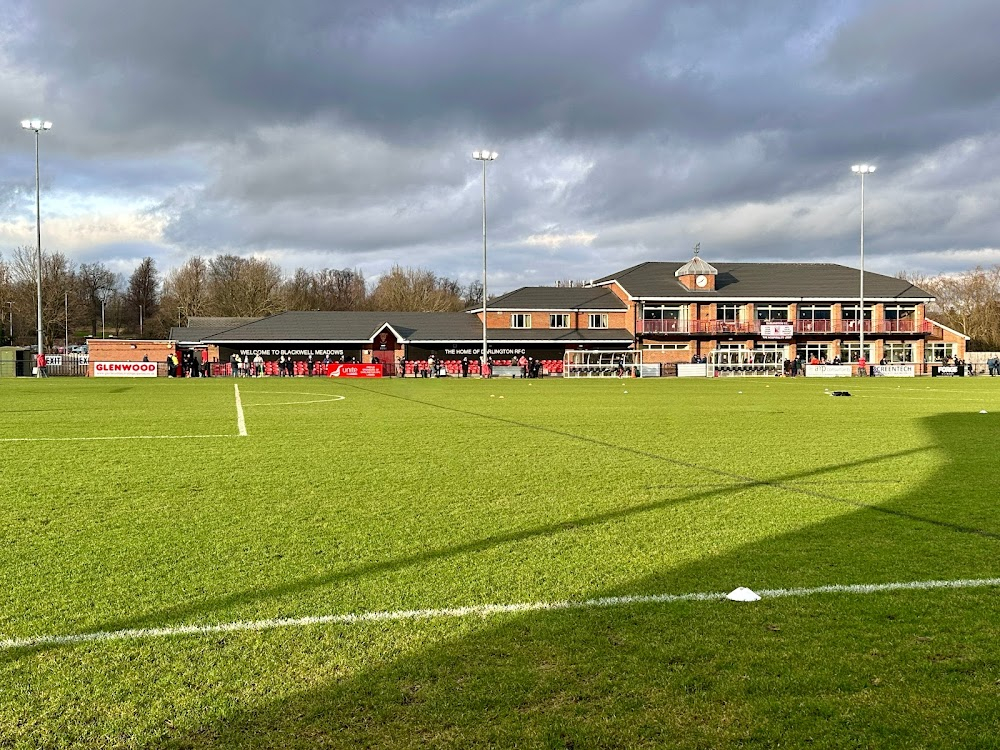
(339, 134)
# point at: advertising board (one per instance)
(776, 330)
(828, 371)
(894, 371)
(354, 371)
(124, 369)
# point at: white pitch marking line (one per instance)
(326, 399)
(481, 610)
(241, 422)
(111, 437)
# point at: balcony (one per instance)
(752, 328)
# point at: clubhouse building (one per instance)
(671, 312)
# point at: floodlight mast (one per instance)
(37, 126)
(862, 170)
(484, 156)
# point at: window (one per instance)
(900, 317)
(559, 320)
(664, 318)
(898, 351)
(520, 320)
(811, 351)
(850, 315)
(813, 318)
(772, 312)
(666, 347)
(938, 352)
(728, 313)
(849, 351)
(598, 320)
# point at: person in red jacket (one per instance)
(41, 364)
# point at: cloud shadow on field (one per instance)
(705, 674)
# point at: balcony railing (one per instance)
(841, 326)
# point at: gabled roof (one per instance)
(821, 281)
(556, 298)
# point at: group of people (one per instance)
(993, 365)
(246, 366)
(189, 364)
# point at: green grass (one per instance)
(439, 494)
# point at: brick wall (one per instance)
(125, 350)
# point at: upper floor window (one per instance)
(772, 312)
(730, 313)
(598, 320)
(814, 312)
(520, 320)
(851, 312)
(664, 312)
(559, 320)
(900, 312)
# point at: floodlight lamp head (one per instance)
(36, 124)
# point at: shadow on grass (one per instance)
(707, 674)
(220, 605)
(698, 675)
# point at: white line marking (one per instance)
(326, 398)
(481, 610)
(241, 423)
(112, 437)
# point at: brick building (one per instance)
(670, 311)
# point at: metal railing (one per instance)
(842, 325)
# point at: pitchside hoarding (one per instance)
(354, 371)
(894, 371)
(124, 369)
(828, 371)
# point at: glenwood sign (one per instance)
(124, 369)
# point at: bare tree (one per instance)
(142, 295)
(329, 289)
(185, 291)
(968, 302)
(243, 286)
(95, 282)
(417, 290)
(58, 279)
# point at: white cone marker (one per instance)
(742, 594)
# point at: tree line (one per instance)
(90, 299)
(968, 302)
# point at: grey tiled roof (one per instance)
(412, 327)
(223, 323)
(354, 326)
(824, 281)
(557, 298)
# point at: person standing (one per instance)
(862, 366)
(41, 364)
(258, 365)
(465, 367)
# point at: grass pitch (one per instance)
(136, 505)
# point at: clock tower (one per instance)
(697, 275)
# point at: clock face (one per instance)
(701, 281)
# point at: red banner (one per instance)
(354, 371)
